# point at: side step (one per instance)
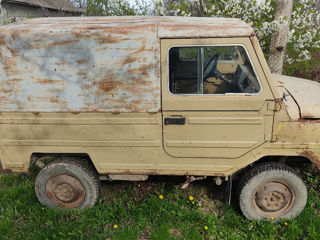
(122, 177)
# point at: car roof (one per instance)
(167, 27)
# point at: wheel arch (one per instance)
(37, 157)
(293, 161)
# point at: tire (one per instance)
(272, 191)
(67, 183)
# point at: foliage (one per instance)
(79, 3)
(157, 209)
(309, 69)
(117, 8)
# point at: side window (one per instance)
(211, 70)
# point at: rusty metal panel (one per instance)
(304, 92)
(169, 27)
(79, 67)
(99, 64)
(192, 27)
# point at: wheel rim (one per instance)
(65, 191)
(273, 199)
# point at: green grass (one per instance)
(140, 214)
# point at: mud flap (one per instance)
(228, 191)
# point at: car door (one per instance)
(212, 109)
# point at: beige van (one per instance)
(122, 98)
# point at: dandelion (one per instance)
(285, 223)
(115, 226)
(42, 208)
(272, 218)
(161, 196)
(205, 228)
(193, 202)
(190, 198)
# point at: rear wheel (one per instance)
(272, 190)
(67, 183)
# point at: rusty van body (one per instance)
(139, 96)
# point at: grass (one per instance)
(139, 213)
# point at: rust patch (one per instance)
(6, 90)
(49, 81)
(82, 61)
(63, 43)
(312, 157)
(141, 70)
(2, 41)
(14, 52)
(54, 100)
(2, 171)
(107, 85)
(309, 121)
(129, 60)
(16, 80)
(110, 39)
(15, 34)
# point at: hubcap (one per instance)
(273, 199)
(65, 191)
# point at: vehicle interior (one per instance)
(211, 70)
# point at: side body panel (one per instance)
(125, 143)
(217, 126)
(79, 68)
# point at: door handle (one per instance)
(175, 121)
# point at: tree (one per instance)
(279, 39)
(79, 3)
(118, 7)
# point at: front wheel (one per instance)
(272, 190)
(67, 183)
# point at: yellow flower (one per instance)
(205, 228)
(42, 208)
(115, 226)
(285, 223)
(192, 202)
(190, 198)
(272, 218)
(161, 196)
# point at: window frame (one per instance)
(219, 94)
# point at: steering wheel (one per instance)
(211, 70)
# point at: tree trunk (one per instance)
(279, 39)
(202, 8)
(106, 7)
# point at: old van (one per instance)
(123, 98)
